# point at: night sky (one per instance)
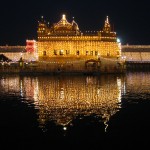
(130, 19)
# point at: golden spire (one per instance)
(107, 27)
(64, 19)
(107, 20)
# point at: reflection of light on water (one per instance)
(36, 90)
(21, 88)
(138, 82)
(61, 93)
(98, 91)
(119, 89)
(99, 97)
(106, 126)
(124, 88)
(10, 84)
(64, 128)
(62, 99)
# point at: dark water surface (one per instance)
(75, 112)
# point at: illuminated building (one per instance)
(65, 40)
(136, 52)
(14, 53)
(31, 46)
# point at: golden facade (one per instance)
(64, 39)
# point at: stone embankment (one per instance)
(58, 67)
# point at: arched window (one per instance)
(87, 52)
(55, 52)
(61, 52)
(77, 52)
(91, 53)
(96, 53)
(67, 52)
(44, 53)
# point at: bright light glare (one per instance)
(64, 128)
(118, 40)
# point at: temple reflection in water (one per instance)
(63, 98)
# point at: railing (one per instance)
(137, 62)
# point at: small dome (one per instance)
(75, 25)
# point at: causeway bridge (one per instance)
(16, 52)
(137, 56)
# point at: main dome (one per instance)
(63, 24)
(64, 27)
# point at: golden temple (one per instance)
(64, 39)
(63, 47)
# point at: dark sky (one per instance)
(19, 19)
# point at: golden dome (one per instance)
(63, 24)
